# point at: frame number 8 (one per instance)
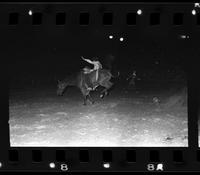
(64, 167)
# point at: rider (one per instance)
(97, 66)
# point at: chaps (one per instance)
(87, 80)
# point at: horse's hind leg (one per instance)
(107, 86)
(104, 92)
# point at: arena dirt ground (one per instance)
(127, 117)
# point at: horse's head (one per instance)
(61, 87)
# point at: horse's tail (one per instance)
(111, 74)
(115, 76)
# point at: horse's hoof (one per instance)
(101, 96)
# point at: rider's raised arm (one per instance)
(89, 61)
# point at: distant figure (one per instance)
(132, 78)
(97, 66)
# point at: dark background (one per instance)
(49, 52)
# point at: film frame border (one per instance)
(169, 159)
(190, 154)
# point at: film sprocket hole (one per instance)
(100, 87)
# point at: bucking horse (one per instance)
(83, 81)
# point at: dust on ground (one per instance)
(124, 118)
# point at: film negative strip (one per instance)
(100, 87)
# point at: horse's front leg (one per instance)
(85, 100)
(87, 97)
(90, 99)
